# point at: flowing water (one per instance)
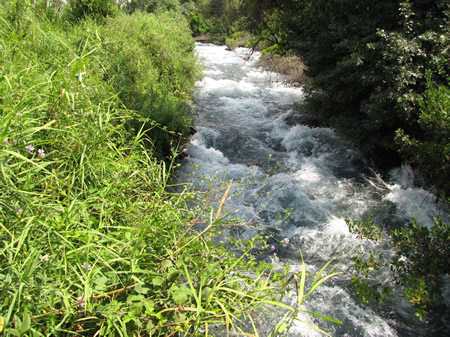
(246, 132)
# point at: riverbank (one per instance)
(94, 240)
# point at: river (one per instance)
(245, 132)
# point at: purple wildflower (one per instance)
(18, 210)
(5, 140)
(41, 153)
(286, 241)
(86, 266)
(29, 149)
(272, 247)
(80, 300)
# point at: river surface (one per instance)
(246, 132)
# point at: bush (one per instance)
(419, 264)
(197, 24)
(431, 152)
(95, 9)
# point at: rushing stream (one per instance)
(245, 132)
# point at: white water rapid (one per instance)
(246, 132)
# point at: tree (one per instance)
(151, 6)
(264, 21)
(366, 60)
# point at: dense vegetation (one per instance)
(94, 240)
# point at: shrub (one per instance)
(418, 265)
(95, 9)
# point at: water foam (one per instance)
(242, 136)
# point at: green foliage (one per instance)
(154, 70)
(333, 39)
(367, 62)
(198, 24)
(222, 18)
(238, 39)
(51, 10)
(152, 6)
(418, 264)
(265, 22)
(302, 293)
(190, 10)
(365, 229)
(431, 152)
(95, 9)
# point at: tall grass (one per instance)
(151, 64)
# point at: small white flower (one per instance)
(80, 300)
(44, 258)
(403, 259)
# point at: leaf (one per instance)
(172, 273)
(320, 282)
(205, 293)
(14, 332)
(149, 306)
(2, 324)
(135, 298)
(100, 283)
(314, 327)
(279, 325)
(282, 327)
(323, 317)
(157, 281)
(181, 295)
(141, 290)
(301, 289)
(26, 324)
(166, 264)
